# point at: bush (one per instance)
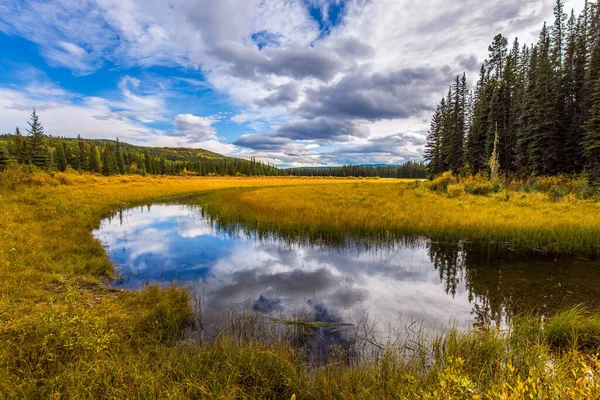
(455, 190)
(12, 177)
(480, 184)
(442, 182)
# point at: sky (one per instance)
(289, 82)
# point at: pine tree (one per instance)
(558, 33)
(38, 152)
(544, 122)
(432, 147)
(120, 159)
(19, 147)
(5, 159)
(498, 51)
(476, 140)
(94, 159)
(60, 156)
(591, 142)
(84, 162)
(109, 163)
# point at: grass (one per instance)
(528, 221)
(64, 334)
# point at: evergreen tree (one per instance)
(591, 142)
(109, 162)
(120, 159)
(19, 147)
(498, 51)
(432, 147)
(37, 150)
(60, 155)
(476, 141)
(84, 162)
(5, 159)
(94, 159)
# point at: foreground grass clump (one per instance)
(518, 220)
(63, 334)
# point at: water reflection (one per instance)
(423, 281)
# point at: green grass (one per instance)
(64, 334)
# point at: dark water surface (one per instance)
(390, 286)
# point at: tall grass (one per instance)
(64, 334)
(533, 222)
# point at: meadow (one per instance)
(64, 333)
(516, 220)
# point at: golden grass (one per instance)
(63, 334)
(518, 220)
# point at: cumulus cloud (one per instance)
(281, 96)
(199, 128)
(380, 95)
(296, 74)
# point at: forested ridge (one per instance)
(109, 157)
(534, 111)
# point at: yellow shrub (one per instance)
(479, 184)
(455, 190)
(441, 182)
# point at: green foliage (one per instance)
(37, 151)
(5, 157)
(409, 169)
(534, 110)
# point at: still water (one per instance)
(390, 286)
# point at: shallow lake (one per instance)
(390, 286)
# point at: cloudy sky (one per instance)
(291, 82)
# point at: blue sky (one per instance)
(291, 82)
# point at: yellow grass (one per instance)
(64, 334)
(363, 209)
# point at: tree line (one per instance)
(113, 157)
(535, 109)
(109, 157)
(410, 169)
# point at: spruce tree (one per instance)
(84, 157)
(60, 156)
(432, 147)
(498, 51)
(20, 152)
(38, 152)
(120, 159)
(476, 141)
(94, 163)
(591, 141)
(4, 156)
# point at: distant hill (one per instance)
(112, 157)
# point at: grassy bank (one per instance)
(64, 334)
(531, 221)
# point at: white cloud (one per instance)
(215, 37)
(199, 128)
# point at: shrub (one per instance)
(455, 190)
(12, 177)
(480, 184)
(442, 182)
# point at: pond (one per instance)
(390, 286)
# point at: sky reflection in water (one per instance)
(428, 282)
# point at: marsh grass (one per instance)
(378, 212)
(65, 334)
